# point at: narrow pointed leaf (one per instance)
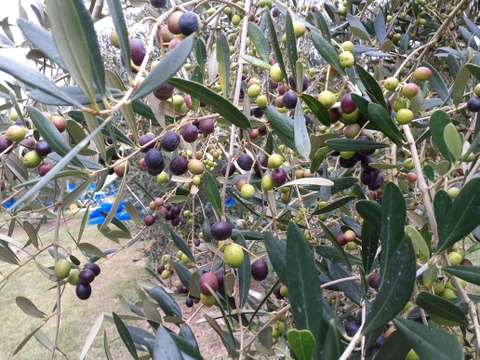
(470, 274)
(393, 225)
(428, 342)
(91, 336)
(50, 133)
(27, 339)
(277, 253)
(291, 46)
(437, 306)
(332, 348)
(317, 108)
(282, 126)
(357, 27)
(167, 67)
(256, 62)
(302, 141)
(212, 193)
(395, 289)
(438, 121)
(223, 59)
(463, 217)
(380, 29)
(35, 79)
(215, 101)
(125, 336)
(438, 83)
(166, 302)
(98, 68)
(337, 203)
(380, 118)
(92, 123)
(303, 283)
(418, 240)
(72, 43)
(244, 272)
(328, 53)
(114, 81)
(42, 39)
(459, 85)
(371, 86)
(258, 39)
(164, 347)
(116, 12)
(329, 235)
(346, 144)
(322, 25)
(29, 308)
(370, 236)
(302, 343)
(394, 347)
(318, 158)
(182, 245)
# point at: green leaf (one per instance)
(380, 29)
(73, 92)
(29, 308)
(302, 141)
(303, 283)
(371, 86)
(212, 193)
(302, 343)
(438, 121)
(459, 86)
(125, 335)
(317, 108)
(223, 60)
(332, 348)
(282, 126)
(114, 81)
(437, 306)
(392, 230)
(274, 42)
(183, 273)
(418, 240)
(474, 70)
(292, 47)
(91, 336)
(166, 302)
(463, 216)
(72, 43)
(468, 273)
(119, 135)
(345, 144)
(256, 62)
(334, 205)
(380, 118)
(384, 166)
(244, 272)
(258, 39)
(91, 250)
(277, 253)
(318, 158)
(27, 339)
(200, 53)
(438, 83)
(35, 79)
(182, 245)
(167, 67)
(357, 27)
(322, 25)
(371, 212)
(331, 253)
(92, 123)
(329, 235)
(393, 347)
(453, 140)
(50, 133)
(212, 99)
(42, 39)
(96, 60)
(395, 289)
(164, 347)
(326, 50)
(429, 342)
(116, 12)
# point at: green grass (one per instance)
(118, 277)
